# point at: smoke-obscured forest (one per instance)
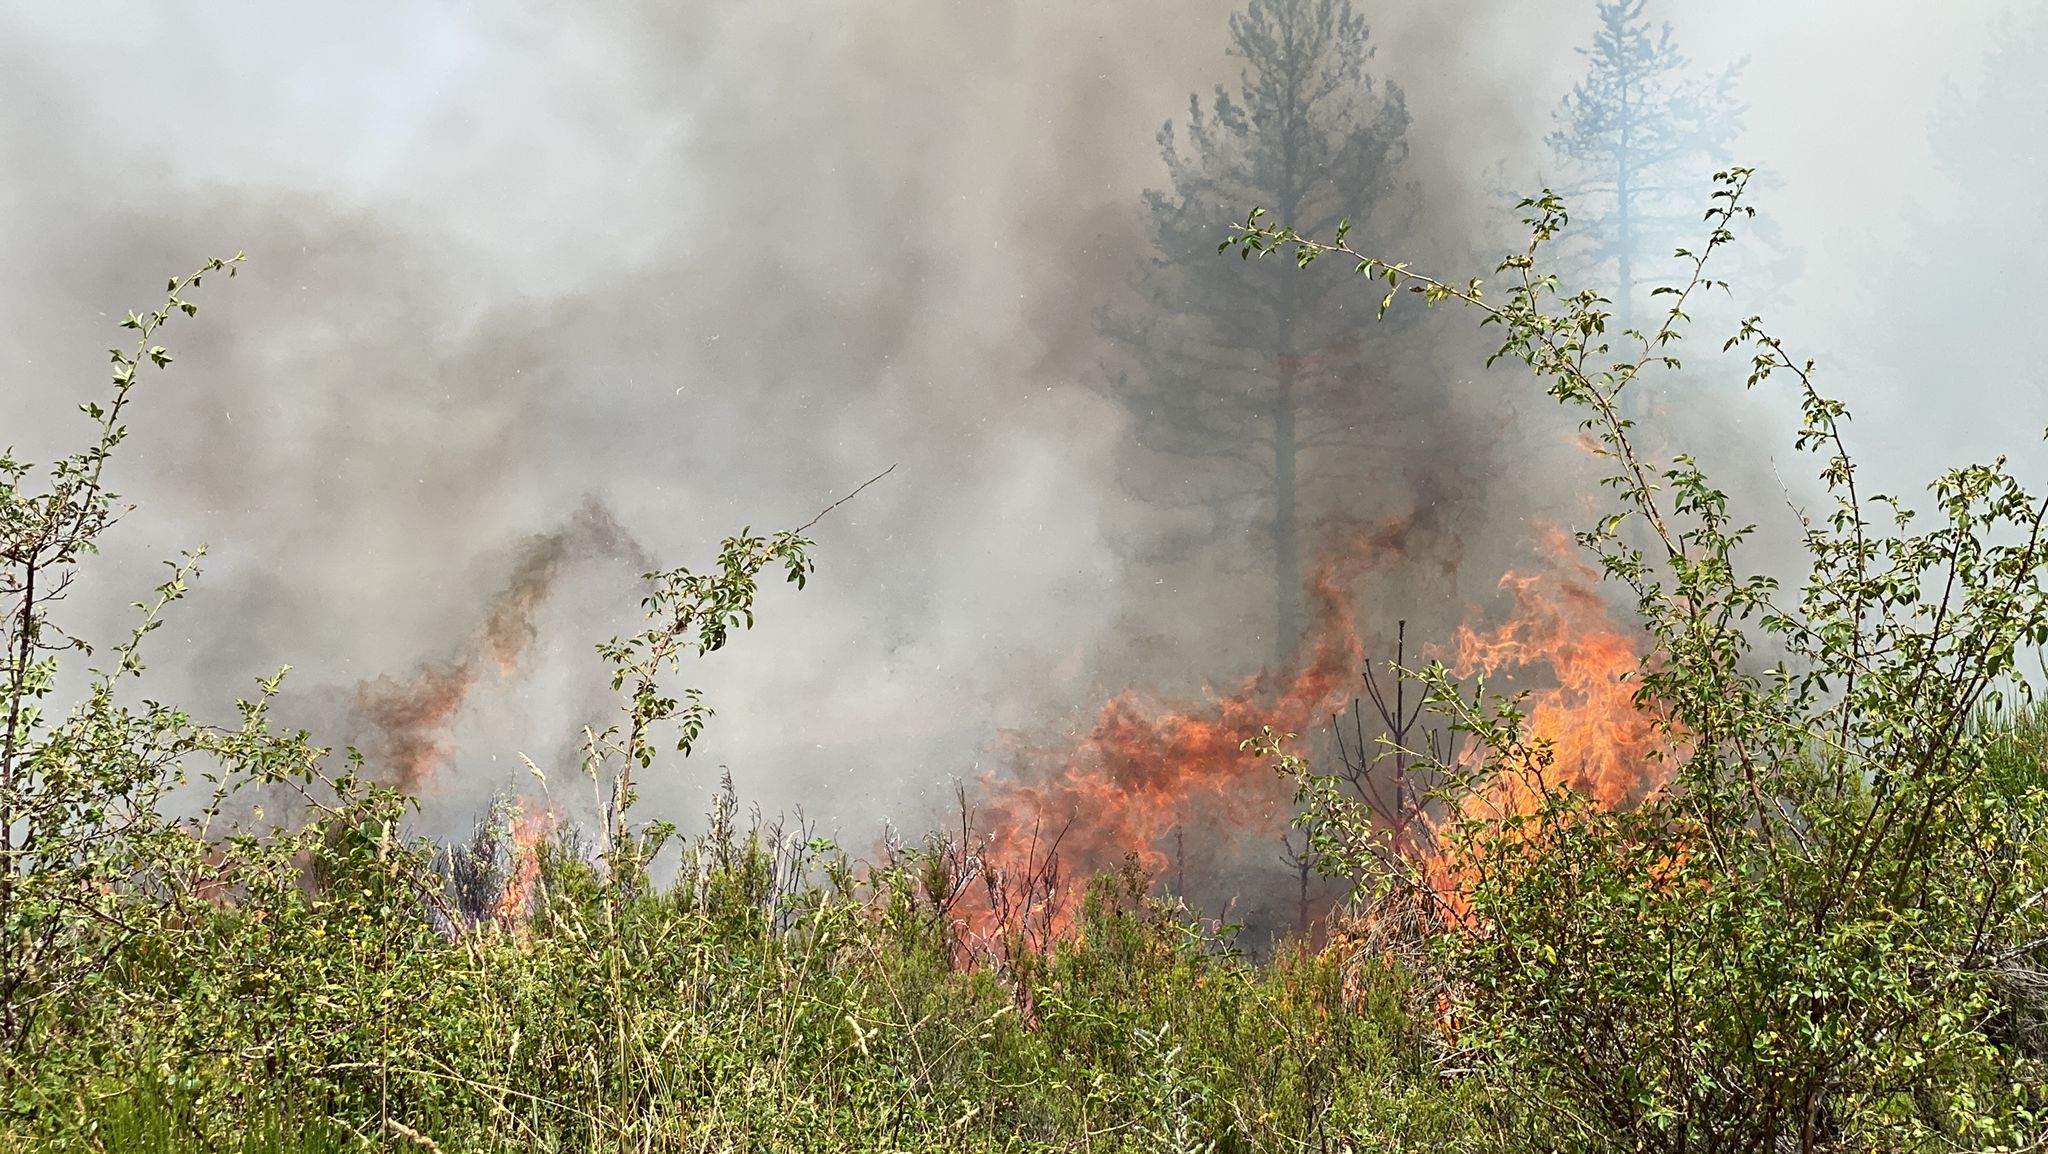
(715, 267)
(1125, 369)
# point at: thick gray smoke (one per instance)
(702, 266)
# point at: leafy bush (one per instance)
(1820, 930)
(99, 881)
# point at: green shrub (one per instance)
(1820, 931)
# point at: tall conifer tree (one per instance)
(1639, 136)
(1254, 368)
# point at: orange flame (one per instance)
(1599, 742)
(1146, 769)
(529, 832)
(409, 717)
(1586, 734)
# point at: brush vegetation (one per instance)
(1821, 928)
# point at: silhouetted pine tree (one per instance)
(1256, 368)
(1640, 135)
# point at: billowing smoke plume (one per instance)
(710, 265)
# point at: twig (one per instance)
(843, 500)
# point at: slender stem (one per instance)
(17, 685)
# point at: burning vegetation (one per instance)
(1170, 788)
(1821, 925)
(1560, 628)
(407, 721)
(1165, 788)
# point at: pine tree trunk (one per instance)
(1286, 532)
(1286, 445)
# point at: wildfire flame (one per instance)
(1146, 771)
(1599, 742)
(1586, 734)
(409, 717)
(530, 830)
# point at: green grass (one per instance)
(733, 1011)
(145, 1118)
(757, 1003)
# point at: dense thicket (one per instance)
(1818, 926)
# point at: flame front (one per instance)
(1598, 741)
(1587, 734)
(1146, 774)
(530, 831)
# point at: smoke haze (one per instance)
(553, 292)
